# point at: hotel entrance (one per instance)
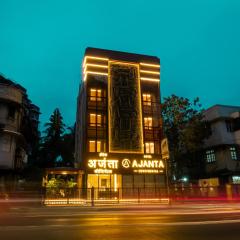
(105, 185)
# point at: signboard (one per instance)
(164, 149)
(145, 165)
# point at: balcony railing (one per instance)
(151, 107)
(99, 103)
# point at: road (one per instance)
(132, 222)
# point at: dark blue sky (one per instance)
(198, 41)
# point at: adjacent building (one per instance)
(119, 124)
(18, 126)
(222, 156)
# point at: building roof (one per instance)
(8, 82)
(220, 111)
(122, 56)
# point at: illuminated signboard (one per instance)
(103, 163)
(137, 166)
(144, 166)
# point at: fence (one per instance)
(98, 196)
(94, 196)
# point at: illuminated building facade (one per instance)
(119, 125)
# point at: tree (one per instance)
(185, 129)
(68, 147)
(52, 141)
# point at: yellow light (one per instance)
(85, 77)
(147, 156)
(150, 79)
(148, 164)
(95, 65)
(140, 107)
(99, 171)
(115, 182)
(150, 72)
(96, 73)
(150, 65)
(103, 154)
(103, 163)
(147, 171)
(93, 57)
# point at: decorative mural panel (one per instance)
(125, 116)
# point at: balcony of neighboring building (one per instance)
(10, 116)
(10, 92)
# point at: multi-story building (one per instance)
(222, 147)
(18, 125)
(119, 125)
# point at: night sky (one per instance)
(42, 43)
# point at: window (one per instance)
(148, 123)
(149, 147)
(94, 146)
(11, 112)
(95, 94)
(236, 179)
(95, 120)
(208, 128)
(210, 156)
(233, 152)
(5, 143)
(147, 99)
(103, 182)
(229, 125)
(236, 124)
(233, 124)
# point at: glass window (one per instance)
(5, 143)
(11, 112)
(95, 119)
(229, 125)
(91, 146)
(95, 94)
(94, 146)
(233, 152)
(148, 123)
(210, 156)
(147, 99)
(149, 147)
(98, 146)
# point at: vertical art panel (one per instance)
(125, 114)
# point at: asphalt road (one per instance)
(145, 222)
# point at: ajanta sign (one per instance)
(132, 165)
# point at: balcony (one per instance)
(97, 132)
(151, 108)
(152, 133)
(97, 103)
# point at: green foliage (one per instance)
(58, 187)
(185, 129)
(57, 144)
(55, 128)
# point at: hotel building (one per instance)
(119, 124)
